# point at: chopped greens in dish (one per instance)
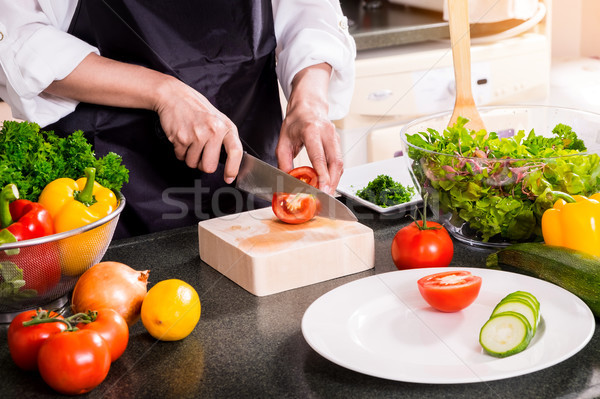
(502, 186)
(385, 192)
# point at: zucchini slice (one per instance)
(526, 295)
(521, 306)
(505, 334)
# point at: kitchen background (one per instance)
(526, 51)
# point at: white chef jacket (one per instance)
(35, 50)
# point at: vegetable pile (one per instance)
(40, 197)
(502, 186)
(73, 354)
(385, 192)
(31, 158)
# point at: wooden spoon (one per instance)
(460, 40)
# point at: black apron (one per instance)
(225, 50)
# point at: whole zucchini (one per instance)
(575, 271)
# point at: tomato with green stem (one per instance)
(422, 244)
(450, 291)
(25, 341)
(111, 326)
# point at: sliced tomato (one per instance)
(307, 174)
(294, 208)
(450, 291)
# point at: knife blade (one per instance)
(262, 180)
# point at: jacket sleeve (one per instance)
(35, 50)
(310, 32)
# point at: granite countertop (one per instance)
(248, 346)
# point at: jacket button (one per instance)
(1, 36)
(343, 23)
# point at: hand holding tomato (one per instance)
(422, 244)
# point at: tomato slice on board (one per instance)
(307, 174)
(450, 291)
(294, 208)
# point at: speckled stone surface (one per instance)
(250, 347)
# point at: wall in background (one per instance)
(575, 28)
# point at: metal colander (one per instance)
(42, 272)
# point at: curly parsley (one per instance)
(385, 192)
(32, 158)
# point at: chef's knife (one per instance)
(262, 180)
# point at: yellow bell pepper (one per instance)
(574, 222)
(74, 204)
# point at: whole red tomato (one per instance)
(24, 342)
(422, 244)
(112, 327)
(74, 362)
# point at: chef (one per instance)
(175, 86)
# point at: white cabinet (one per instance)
(397, 84)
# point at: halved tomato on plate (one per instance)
(450, 291)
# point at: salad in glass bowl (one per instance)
(492, 186)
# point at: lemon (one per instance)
(171, 310)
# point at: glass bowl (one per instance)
(42, 272)
(488, 199)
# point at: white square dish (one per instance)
(357, 178)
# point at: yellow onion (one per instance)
(111, 285)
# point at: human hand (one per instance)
(306, 124)
(198, 130)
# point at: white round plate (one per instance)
(381, 326)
